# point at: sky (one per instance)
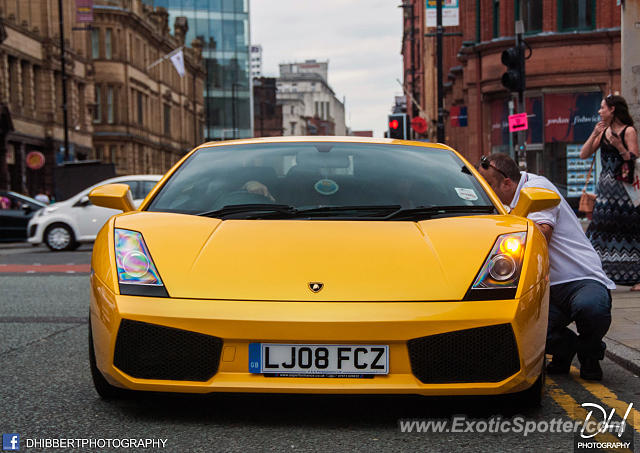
(361, 39)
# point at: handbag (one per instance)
(625, 172)
(633, 188)
(587, 200)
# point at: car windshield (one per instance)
(320, 176)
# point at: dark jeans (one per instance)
(588, 303)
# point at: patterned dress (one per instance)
(615, 227)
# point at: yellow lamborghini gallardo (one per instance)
(320, 265)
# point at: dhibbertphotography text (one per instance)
(94, 443)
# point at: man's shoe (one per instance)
(560, 365)
(590, 369)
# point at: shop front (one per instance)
(559, 124)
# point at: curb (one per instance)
(623, 355)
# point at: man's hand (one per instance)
(546, 230)
(259, 189)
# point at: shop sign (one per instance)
(35, 160)
(570, 117)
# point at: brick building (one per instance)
(31, 93)
(267, 114)
(144, 119)
(575, 60)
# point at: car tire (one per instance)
(59, 237)
(104, 389)
(533, 396)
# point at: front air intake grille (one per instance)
(150, 351)
(482, 354)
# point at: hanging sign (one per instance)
(450, 13)
(518, 122)
(84, 11)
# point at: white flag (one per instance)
(178, 62)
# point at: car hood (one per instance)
(205, 258)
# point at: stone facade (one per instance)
(31, 92)
(309, 105)
(119, 111)
(146, 117)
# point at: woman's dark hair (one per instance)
(621, 109)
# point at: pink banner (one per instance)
(84, 11)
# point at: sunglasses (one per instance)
(485, 163)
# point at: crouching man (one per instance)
(580, 290)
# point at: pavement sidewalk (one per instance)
(623, 338)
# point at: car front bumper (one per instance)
(239, 323)
(34, 231)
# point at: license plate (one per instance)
(318, 359)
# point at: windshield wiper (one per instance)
(375, 209)
(249, 209)
(430, 211)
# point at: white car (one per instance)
(67, 224)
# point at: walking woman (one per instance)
(615, 227)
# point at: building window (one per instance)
(293, 110)
(110, 116)
(140, 108)
(95, 43)
(531, 15)
(97, 111)
(112, 153)
(81, 105)
(167, 119)
(576, 15)
(108, 43)
(26, 84)
(97, 152)
(496, 18)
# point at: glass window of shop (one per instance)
(559, 123)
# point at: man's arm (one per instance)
(546, 230)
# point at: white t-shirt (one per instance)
(571, 255)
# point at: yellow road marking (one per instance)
(605, 395)
(577, 412)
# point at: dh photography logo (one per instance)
(601, 431)
(11, 442)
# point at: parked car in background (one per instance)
(67, 224)
(15, 212)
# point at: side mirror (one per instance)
(114, 196)
(533, 199)
(27, 208)
(84, 201)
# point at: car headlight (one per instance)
(500, 274)
(137, 274)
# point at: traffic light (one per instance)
(513, 59)
(398, 126)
